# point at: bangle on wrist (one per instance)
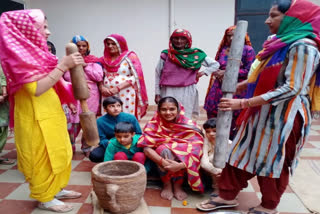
(161, 161)
(249, 104)
(242, 103)
(118, 88)
(60, 70)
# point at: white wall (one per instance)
(144, 23)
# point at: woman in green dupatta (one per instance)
(178, 72)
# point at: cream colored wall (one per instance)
(316, 1)
(144, 23)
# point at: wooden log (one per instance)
(228, 88)
(81, 92)
(78, 80)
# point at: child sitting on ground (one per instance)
(208, 152)
(124, 145)
(106, 123)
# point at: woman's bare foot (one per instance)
(166, 192)
(55, 205)
(178, 192)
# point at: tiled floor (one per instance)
(14, 192)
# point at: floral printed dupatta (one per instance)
(182, 138)
(134, 62)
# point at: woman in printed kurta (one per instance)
(36, 91)
(174, 143)
(214, 92)
(124, 76)
(94, 76)
(283, 90)
(178, 72)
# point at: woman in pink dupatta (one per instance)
(174, 143)
(124, 76)
(36, 91)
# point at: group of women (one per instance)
(118, 72)
(282, 90)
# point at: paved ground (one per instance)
(14, 192)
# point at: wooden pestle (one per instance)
(228, 88)
(81, 92)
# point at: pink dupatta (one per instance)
(24, 53)
(113, 66)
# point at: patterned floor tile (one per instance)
(3, 152)
(6, 167)
(309, 145)
(89, 199)
(85, 166)
(249, 188)
(314, 138)
(17, 206)
(290, 203)
(160, 210)
(75, 163)
(193, 199)
(80, 178)
(12, 176)
(176, 210)
(308, 152)
(86, 209)
(9, 146)
(152, 197)
(315, 144)
(11, 155)
(20, 193)
(7, 188)
(247, 200)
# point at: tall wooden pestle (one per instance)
(81, 92)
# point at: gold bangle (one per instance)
(242, 103)
(60, 70)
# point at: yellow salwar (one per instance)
(42, 141)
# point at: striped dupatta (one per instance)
(302, 20)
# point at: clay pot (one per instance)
(119, 185)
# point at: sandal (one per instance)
(254, 211)
(6, 161)
(67, 194)
(218, 205)
(55, 206)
